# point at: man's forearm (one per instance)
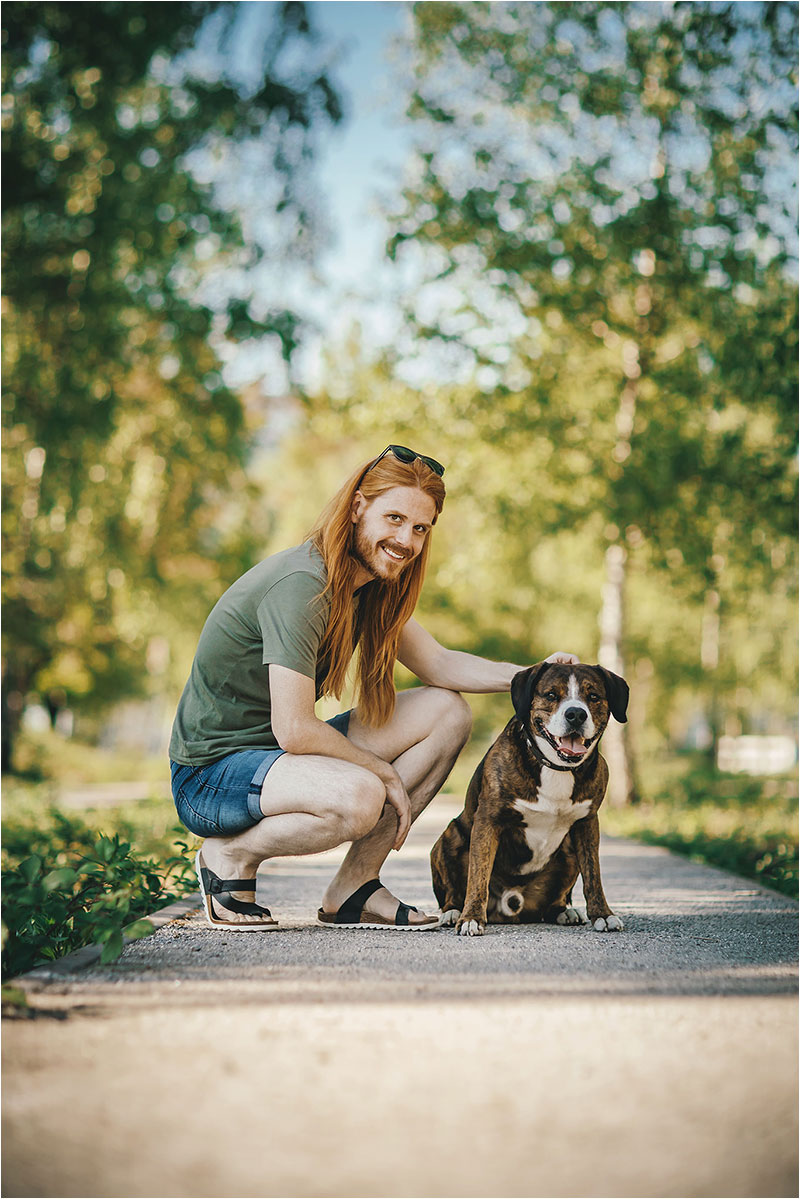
(457, 671)
(313, 736)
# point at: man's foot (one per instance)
(372, 904)
(226, 907)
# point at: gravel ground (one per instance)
(534, 1061)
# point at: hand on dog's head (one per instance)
(523, 686)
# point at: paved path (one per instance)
(531, 1062)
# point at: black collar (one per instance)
(537, 753)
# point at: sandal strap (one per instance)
(401, 916)
(244, 909)
(351, 909)
(213, 885)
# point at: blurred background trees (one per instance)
(597, 235)
(125, 502)
(602, 200)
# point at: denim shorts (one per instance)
(224, 797)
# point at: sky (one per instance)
(357, 162)
(360, 163)
(372, 146)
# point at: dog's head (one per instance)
(566, 708)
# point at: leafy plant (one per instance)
(742, 824)
(66, 885)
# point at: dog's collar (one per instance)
(537, 753)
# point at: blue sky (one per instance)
(369, 151)
(356, 162)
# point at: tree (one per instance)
(124, 493)
(606, 197)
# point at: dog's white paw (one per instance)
(569, 916)
(449, 917)
(608, 924)
(470, 928)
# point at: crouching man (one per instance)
(257, 774)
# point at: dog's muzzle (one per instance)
(570, 733)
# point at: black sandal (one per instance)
(351, 914)
(212, 885)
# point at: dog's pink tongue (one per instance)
(571, 745)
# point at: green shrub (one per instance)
(742, 824)
(66, 885)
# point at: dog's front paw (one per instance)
(469, 928)
(608, 924)
(569, 916)
(449, 918)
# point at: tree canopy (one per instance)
(604, 199)
(123, 446)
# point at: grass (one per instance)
(739, 823)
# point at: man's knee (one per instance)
(358, 803)
(454, 716)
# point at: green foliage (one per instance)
(602, 203)
(745, 825)
(122, 443)
(66, 885)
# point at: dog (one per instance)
(529, 823)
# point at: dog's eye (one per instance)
(593, 697)
(550, 695)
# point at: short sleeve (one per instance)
(292, 619)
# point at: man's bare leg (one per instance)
(429, 729)
(312, 803)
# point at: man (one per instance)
(257, 774)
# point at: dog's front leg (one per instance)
(586, 839)
(482, 852)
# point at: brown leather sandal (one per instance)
(352, 915)
(214, 888)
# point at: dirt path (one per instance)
(531, 1062)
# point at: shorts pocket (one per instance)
(217, 799)
(195, 821)
(187, 792)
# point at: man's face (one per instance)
(391, 530)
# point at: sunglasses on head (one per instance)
(403, 454)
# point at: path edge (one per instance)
(87, 955)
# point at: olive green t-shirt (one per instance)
(275, 613)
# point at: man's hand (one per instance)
(397, 796)
(563, 659)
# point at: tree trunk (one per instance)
(12, 698)
(709, 660)
(617, 748)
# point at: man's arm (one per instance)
(299, 731)
(454, 670)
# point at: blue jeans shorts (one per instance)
(224, 797)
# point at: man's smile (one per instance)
(395, 553)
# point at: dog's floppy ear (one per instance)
(522, 688)
(617, 693)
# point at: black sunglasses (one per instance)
(403, 454)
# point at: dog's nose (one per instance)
(575, 717)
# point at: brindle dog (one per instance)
(529, 824)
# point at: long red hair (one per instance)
(384, 607)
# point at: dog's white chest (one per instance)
(550, 817)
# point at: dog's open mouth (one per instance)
(569, 749)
